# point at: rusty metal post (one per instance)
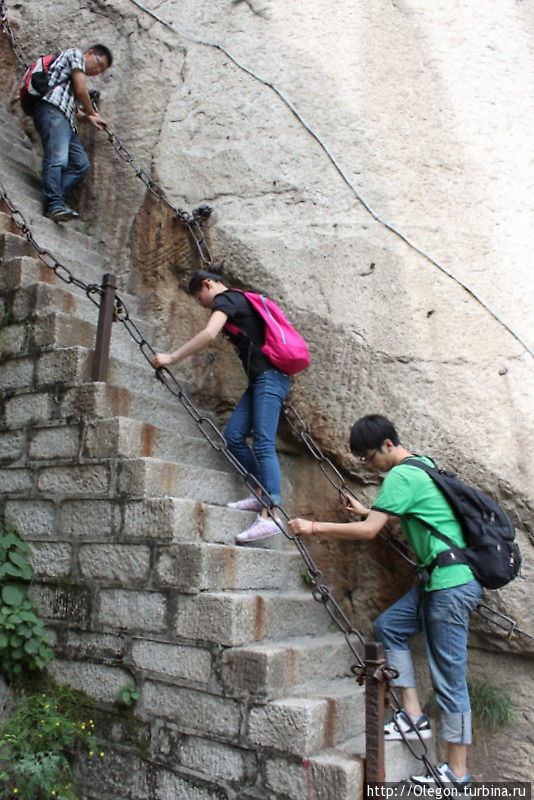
(375, 770)
(103, 331)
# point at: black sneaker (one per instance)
(58, 215)
(71, 212)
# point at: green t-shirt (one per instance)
(408, 490)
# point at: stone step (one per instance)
(239, 618)
(321, 715)
(173, 519)
(272, 669)
(104, 400)
(132, 389)
(326, 775)
(149, 477)
(29, 289)
(399, 761)
(130, 438)
(199, 567)
(79, 252)
(58, 330)
(22, 269)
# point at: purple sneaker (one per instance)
(261, 528)
(250, 503)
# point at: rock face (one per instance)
(423, 110)
(418, 110)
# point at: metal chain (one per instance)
(6, 28)
(92, 290)
(320, 591)
(191, 221)
(335, 478)
(300, 429)
(215, 438)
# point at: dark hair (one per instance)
(102, 50)
(195, 282)
(370, 432)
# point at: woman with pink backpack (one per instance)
(270, 350)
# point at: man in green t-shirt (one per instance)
(439, 609)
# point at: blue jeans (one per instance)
(258, 413)
(443, 617)
(65, 162)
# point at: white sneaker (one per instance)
(446, 775)
(402, 722)
(261, 528)
(251, 503)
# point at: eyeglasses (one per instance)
(368, 459)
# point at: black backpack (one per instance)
(491, 551)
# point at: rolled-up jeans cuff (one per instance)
(401, 660)
(456, 728)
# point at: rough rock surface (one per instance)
(423, 106)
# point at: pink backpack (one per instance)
(283, 345)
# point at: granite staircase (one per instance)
(245, 691)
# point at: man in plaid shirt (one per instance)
(65, 162)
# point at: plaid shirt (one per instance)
(62, 94)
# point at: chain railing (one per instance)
(335, 477)
(320, 591)
(193, 221)
(92, 290)
(6, 28)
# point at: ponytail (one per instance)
(196, 280)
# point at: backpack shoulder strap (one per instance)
(413, 461)
(455, 554)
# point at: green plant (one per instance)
(23, 642)
(36, 742)
(128, 694)
(305, 578)
(491, 706)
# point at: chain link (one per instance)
(45, 256)
(191, 221)
(320, 591)
(6, 28)
(336, 479)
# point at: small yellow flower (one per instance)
(47, 705)
(15, 791)
(58, 724)
(102, 754)
(91, 752)
(82, 726)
